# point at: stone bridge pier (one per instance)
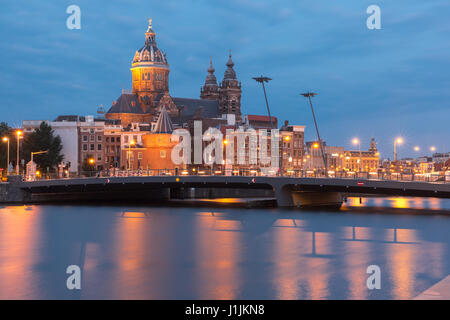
(288, 195)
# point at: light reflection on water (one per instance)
(131, 252)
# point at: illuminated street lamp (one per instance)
(6, 139)
(432, 148)
(397, 141)
(132, 143)
(18, 133)
(309, 95)
(417, 148)
(357, 142)
(262, 80)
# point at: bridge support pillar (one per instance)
(284, 196)
(287, 197)
(317, 199)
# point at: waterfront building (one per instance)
(67, 129)
(314, 160)
(155, 149)
(370, 159)
(291, 146)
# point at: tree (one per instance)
(6, 131)
(43, 139)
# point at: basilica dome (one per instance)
(150, 53)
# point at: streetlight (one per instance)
(309, 95)
(6, 139)
(397, 141)
(417, 148)
(357, 142)
(18, 133)
(433, 149)
(132, 143)
(262, 80)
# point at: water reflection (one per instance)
(19, 251)
(218, 254)
(398, 202)
(190, 253)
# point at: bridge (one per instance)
(289, 191)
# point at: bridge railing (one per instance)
(391, 176)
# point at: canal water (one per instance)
(204, 252)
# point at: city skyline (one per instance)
(74, 71)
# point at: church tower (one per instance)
(230, 92)
(150, 72)
(210, 91)
(373, 146)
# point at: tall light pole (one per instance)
(356, 141)
(132, 143)
(18, 133)
(6, 139)
(262, 80)
(309, 95)
(397, 141)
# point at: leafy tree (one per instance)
(43, 139)
(6, 131)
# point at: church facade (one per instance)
(150, 91)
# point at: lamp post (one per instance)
(397, 141)
(18, 133)
(6, 139)
(309, 95)
(262, 80)
(357, 142)
(132, 143)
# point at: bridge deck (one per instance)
(361, 186)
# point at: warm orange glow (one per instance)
(399, 140)
(132, 142)
(91, 161)
(416, 148)
(287, 138)
(5, 139)
(355, 141)
(18, 132)
(316, 145)
(225, 141)
(432, 148)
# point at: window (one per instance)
(118, 139)
(126, 139)
(92, 131)
(140, 155)
(99, 157)
(85, 138)
(85, 147)
(112, 139)
(92, 138)
(92, 147)
(162, 153)
(99, 138)
(99, 147)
